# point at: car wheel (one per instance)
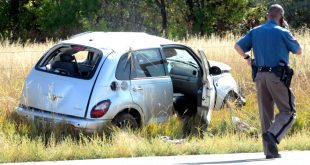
(230, 100)
(194, 126)
(125, 121)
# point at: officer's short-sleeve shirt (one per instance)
(270, 42)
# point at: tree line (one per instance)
(38, 20)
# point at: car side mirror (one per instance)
(214, 70)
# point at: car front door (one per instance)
(151, 87)
(208, 94)
(205, 91)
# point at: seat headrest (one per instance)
(66, 57)
(170, 52)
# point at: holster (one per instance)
(254, 70)
(285, 73)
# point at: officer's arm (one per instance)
(299, 51)
(240, 51)
(244, 44)
(292, 43)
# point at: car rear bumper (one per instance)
(88, 125)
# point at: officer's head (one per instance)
(275, 12)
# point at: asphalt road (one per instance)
(291, 157)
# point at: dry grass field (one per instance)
(20, 141)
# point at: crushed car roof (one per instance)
(118, 41)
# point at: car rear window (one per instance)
(72, 60)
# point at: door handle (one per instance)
(138, 88)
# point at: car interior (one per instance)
(186, 76)
(71, 61)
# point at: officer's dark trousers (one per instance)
(270, 91)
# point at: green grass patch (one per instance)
(21, 141)
(22, 148)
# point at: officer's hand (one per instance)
(285, 24)
(249, 60)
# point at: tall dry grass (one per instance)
(20, 141)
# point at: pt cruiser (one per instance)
(123, 78)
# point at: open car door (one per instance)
(208, 93)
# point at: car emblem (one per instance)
(53, 97)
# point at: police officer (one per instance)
(271, 43)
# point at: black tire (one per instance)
(228, 102)
(125, 121)
(232, 100)
(194, 126)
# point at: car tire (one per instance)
(194, 126)
(125, 121)
(231, 100)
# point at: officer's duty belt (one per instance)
(266, 69)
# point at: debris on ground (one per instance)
(241, 125)
(170, 140)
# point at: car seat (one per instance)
(66, 64)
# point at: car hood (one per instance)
(221, 65)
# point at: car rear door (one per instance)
(151, 87)
(49, 90)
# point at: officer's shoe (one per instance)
(272, 143)
(273, 156)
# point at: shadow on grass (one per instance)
(229, 161)
(48, 134)
(175, 127)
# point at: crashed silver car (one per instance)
(123, 78)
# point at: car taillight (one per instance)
(100, 109)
